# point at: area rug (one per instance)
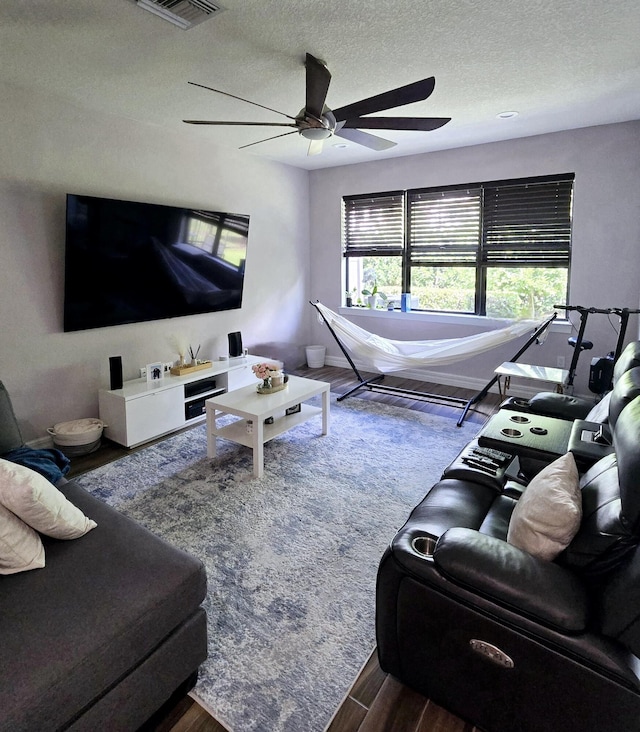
(291, 558)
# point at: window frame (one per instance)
(501, 230)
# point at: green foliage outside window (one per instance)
(525, 292)
(516, 292)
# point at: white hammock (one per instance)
(388, 355)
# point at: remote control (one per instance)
(501, 457)
(479, 466)
(479, 458)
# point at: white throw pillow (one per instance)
(548, 514)
(36, 501)
(20, 546)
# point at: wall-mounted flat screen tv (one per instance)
(129, 262)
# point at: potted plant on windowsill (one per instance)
(372, 295)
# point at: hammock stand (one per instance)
(373, 383)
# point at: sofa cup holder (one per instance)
(510, 432)
(519, 419)
(424, 545)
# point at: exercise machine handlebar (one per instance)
(602, 311)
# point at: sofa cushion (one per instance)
(32, 498)
(100, 607)
(626, 439)
(619, 603)
(628, 359)
(20, 547)
(548, 515)
(626, 390)
(606, 537)
(452, 502)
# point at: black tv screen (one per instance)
(129, 262)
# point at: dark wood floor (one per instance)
(376, 702)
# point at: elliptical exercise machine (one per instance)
(601, 370)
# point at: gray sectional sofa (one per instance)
(108, 630)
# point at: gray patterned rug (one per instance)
(291, 558)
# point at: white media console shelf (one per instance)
(142, 411)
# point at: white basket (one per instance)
(77, 434)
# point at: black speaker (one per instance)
(235, 344)
(115, 371)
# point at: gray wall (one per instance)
(606, 236)
(50, 148)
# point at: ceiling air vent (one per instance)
(183, 13)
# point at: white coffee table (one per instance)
(247, 404)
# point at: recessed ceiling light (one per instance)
(340, 145)
(507, 115)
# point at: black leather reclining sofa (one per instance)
(503, 638)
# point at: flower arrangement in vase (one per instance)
(271, 376)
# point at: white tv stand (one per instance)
(142, 411)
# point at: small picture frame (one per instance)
(155, 372)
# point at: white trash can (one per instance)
(315, 356)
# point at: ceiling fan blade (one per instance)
(318, 78)
(233, 96)
(416, 92)
(315, 147)
(249, 124)
(425, 124)
(373, 142)
(275, 137)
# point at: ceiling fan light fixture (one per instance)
(316, 133)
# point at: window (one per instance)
(501, 249)
(374, 228)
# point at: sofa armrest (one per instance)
(513, 578)
(563, 406)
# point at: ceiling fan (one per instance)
(316, 122)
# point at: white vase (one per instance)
(372, 301)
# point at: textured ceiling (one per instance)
(561, 64)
